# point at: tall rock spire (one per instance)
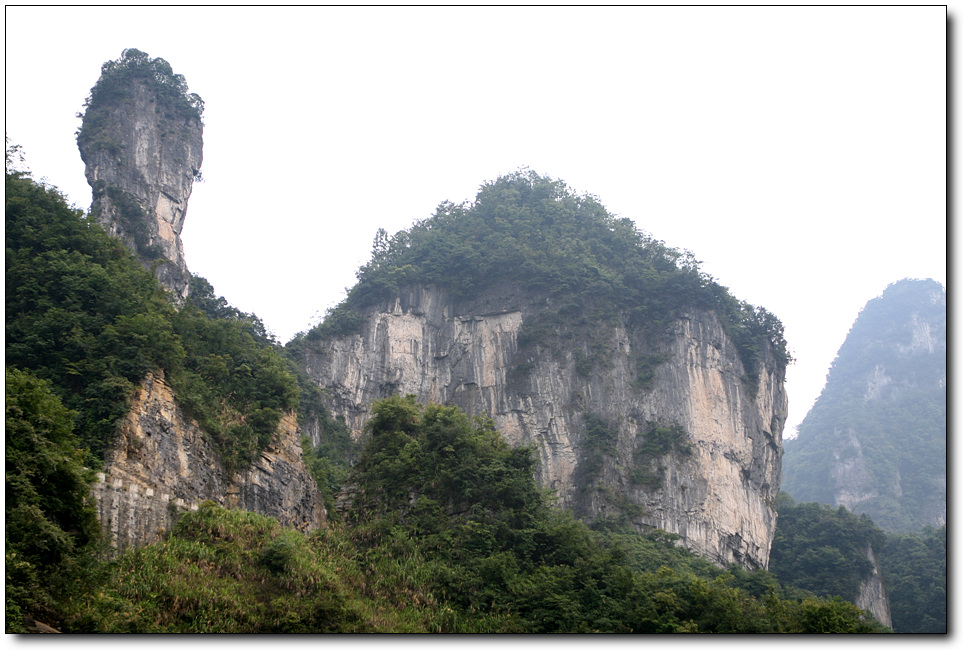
(141, 141)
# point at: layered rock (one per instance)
(163, 463)
(142, 158)
(588, 411)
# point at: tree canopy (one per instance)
(823, 549)
(565, 252)
(82, 314)
(115, 85)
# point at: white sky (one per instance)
(800, 152)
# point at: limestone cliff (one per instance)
(162, 463)
(141, 141)
(594, 420)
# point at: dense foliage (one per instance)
(234, 571)
(823, 549)
(433, 483)
(48, 513)
(82, 314)
(566, 254)
(175, 103)
(329, 462)
(914, 573)
(898, 421)
(447, 532)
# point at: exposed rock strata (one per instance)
(162, 462)
(142, 178)
(718, 497)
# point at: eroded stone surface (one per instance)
(163, 463)
(152, 159)
(718, 498)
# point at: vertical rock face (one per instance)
(872, 594)
(162, 463)
(598, 433)
(143, 150)
(875, 441)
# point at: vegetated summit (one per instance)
(629, 369)
(581, 263)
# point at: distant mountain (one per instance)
(875, 441)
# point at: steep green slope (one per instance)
(84, 324)
(823, 550)
(49, 514)
(875, 441)
(82, 314)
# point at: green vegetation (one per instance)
(598, 443)
(330, 461)
(231, 571)
(914, 572)
(824, 551)
(658, 441)
(49, 513)
(80, 312)
(900, 430)
(580, 266)
(132, 217)
(447, 532)
(175, 104)
(84, 316)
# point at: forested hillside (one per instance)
(824, 550)
(444, 528)
(914, 570)
(875, 441)
(874, 444)
(84, 324)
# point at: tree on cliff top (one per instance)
(556, 247)
(114, 86)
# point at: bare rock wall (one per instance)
(718, 497)
(162, 463)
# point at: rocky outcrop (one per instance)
(163, 463)
(141, 161)
(872, 594)
(598, 408)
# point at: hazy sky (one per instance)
(800, 153)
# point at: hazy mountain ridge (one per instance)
(875, 441)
